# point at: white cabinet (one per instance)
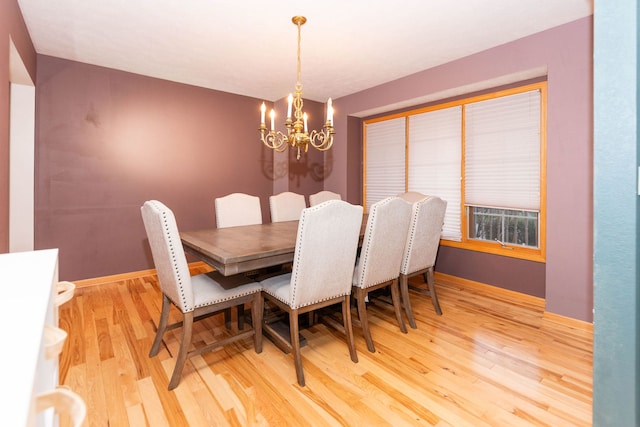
(28, 290)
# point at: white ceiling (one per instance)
(249, 47)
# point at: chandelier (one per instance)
(297, 136)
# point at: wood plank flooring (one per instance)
(492, 359)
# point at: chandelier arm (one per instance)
(322, 140)
(275, 140)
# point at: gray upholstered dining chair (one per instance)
(380, 258)
(323, 196)
(323, 264)
(286, 206)
(237, 209)
(195, 297)
(421, 248)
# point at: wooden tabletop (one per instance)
(245, 248)
(236, 250)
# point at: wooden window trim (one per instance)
(532, 254)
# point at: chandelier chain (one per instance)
(299, 82)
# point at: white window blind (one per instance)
(502, 152)
(385, 162)
(435, 158)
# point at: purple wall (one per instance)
(109, 140)
(12, 27)
(566, 53)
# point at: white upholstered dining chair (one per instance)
(234, 210)
(421, 248)
(380, 258)
(323, 196)
(412, 197)
(323, 264)
(286, 206)
(195, 297)
(237, 209)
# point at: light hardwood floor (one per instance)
(492, 359)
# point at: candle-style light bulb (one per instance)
(273, 116)
(304, 116)
(330, 112)
(290, 99)
(263, 109)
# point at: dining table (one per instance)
(234, 250)
(241, 249)
(249, 248)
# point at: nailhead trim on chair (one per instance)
(298, 247)
(303, 217)
(304, 305)
(372, 217)
(173, 256)
(412, 234)
(228, 298)
(364, 266)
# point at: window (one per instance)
(504, 226)
(434, 165)
(484, 155)
(384, 173)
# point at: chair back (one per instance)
(412, 196)
(286, 206)
(325, 253)
(323, 196)
(383, 243)
(168, 254)
(237, 209)
(421, 248)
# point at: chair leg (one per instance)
(404, 290)
(187, 329)
(295, 345)
(256, 319)
(364, 320)
(395, 299)
(162, 325)
(348, 329)
(432, 290)
(311, 317)
(227, 318)
(240, 317)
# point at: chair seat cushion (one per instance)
(278, 286)
(212, 288)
